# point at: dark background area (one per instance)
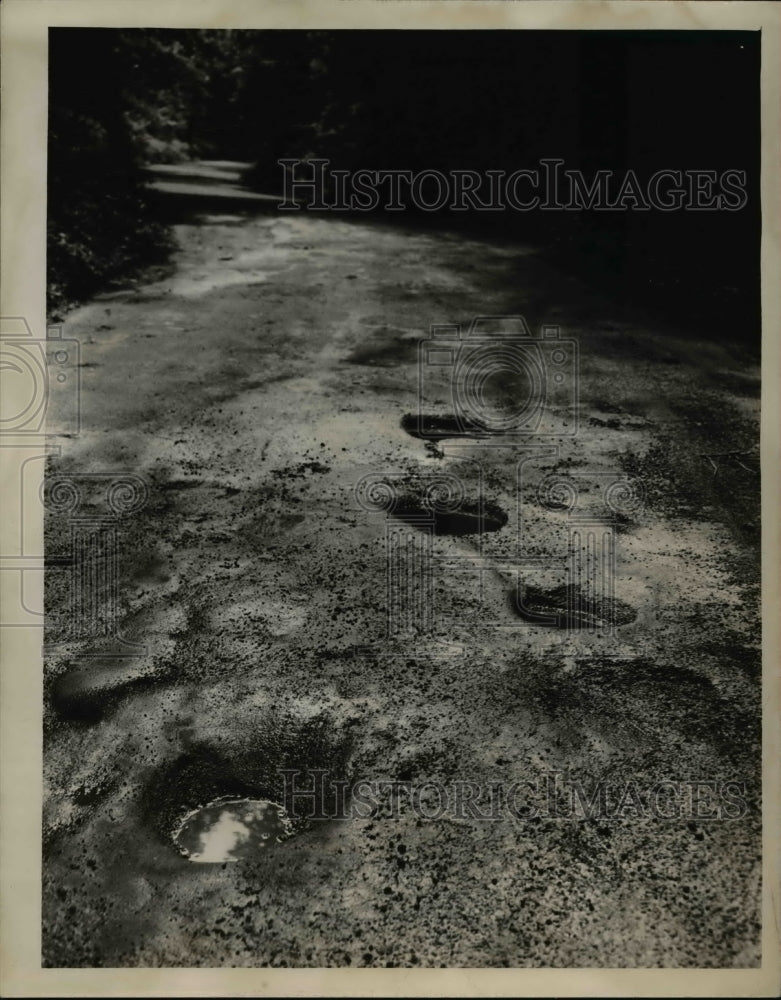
(412, 100)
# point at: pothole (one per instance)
(568, 607)
(471, 518)
(232, 830)
(242, 797)
(432, 504)
(389, 348)
(88, 694)
(434, 427)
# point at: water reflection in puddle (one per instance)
(232, 830)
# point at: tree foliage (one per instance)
(117, 100)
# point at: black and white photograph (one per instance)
(396, 446)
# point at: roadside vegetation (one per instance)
(119, 99)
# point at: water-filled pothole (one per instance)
(435, 427)
(567, 607)
(232, 830)
(200, 781)
(471, 518)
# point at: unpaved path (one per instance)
(253, 388)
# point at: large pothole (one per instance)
(238, 798)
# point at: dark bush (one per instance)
(119, 99)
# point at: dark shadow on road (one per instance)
(700, 278)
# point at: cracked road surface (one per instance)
(253, 388)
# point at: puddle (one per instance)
(232, 830)
(431, 427)
(569, 608)
(470, 518)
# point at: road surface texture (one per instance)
(253, 386)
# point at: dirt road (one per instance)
(253, 388)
